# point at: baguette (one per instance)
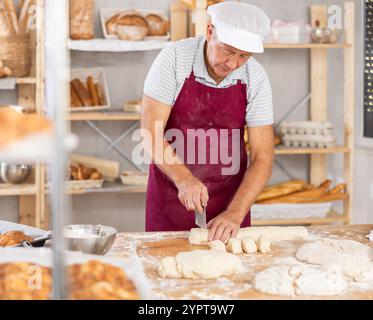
(297, 197)
(93, 91)
(75, 100)
(5, 30)
(25, 16)
(101, 96)
(330, 197)
(339, 188)
(281, 189)
(82, 92)
(10, 9)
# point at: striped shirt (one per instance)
(175, 62)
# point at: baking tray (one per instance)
(40, 236)
(132, 266)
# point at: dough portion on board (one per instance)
(200, 264)
(200, 236)
(264, 245)
(351, 256)
(234, 246)
(249, 245)
(300, 280)
(217, 245)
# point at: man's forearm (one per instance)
(255, 179)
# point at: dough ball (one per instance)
(217, 245)
(264, 245)
(234, 246)
(198, 236)
(248, 245)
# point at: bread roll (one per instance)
(158, 25)
(82, 92)
(111, 25)
(93, 91)
(5, 72)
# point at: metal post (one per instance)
(58, 75)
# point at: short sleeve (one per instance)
(259, 110)
(160, 83)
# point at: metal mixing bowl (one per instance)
(87, 238)
(14, 173)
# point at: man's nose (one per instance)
(232, 63)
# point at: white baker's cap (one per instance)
(240, 25)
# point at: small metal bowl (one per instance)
(87, 238)
(14, 173)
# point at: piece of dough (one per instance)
(200, 264)
(217, 245)
(300, 280)
(264, 244)
(234, 246)
(352, 256)
(248, 245)
(200, 236)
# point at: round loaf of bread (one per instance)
(158, 25)
(111, 25)
(132, 26)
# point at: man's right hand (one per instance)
(192, 194)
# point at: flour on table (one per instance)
(300, 280)
(200, 264)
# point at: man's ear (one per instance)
(209, 31)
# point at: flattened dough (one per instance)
(200, 236)
(300, 280)
(352, 256)
(200, 264)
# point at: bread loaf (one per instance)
(281, 189)
(158, 26)
(82, 92)
(92, 91)
(82, 19)
(111, 25)
(131, 25)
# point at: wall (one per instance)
(288, 71)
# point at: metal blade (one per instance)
(200, 218)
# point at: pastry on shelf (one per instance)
(15, 126)
(82, 172)
(12, 238)
(15, 282)
(95, 280)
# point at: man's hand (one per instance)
(192, 194)
(224, 226)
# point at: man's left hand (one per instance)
(224, 226)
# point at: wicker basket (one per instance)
(15, 54)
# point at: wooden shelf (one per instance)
(110, 187)
(306, 46)
(332, 217)
(103, 116)
(17, 189)
(115, 45)
(28, 80)
(284, 150)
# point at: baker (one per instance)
(211, 85)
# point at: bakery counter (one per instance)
(152, 247)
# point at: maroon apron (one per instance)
(199, 106)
